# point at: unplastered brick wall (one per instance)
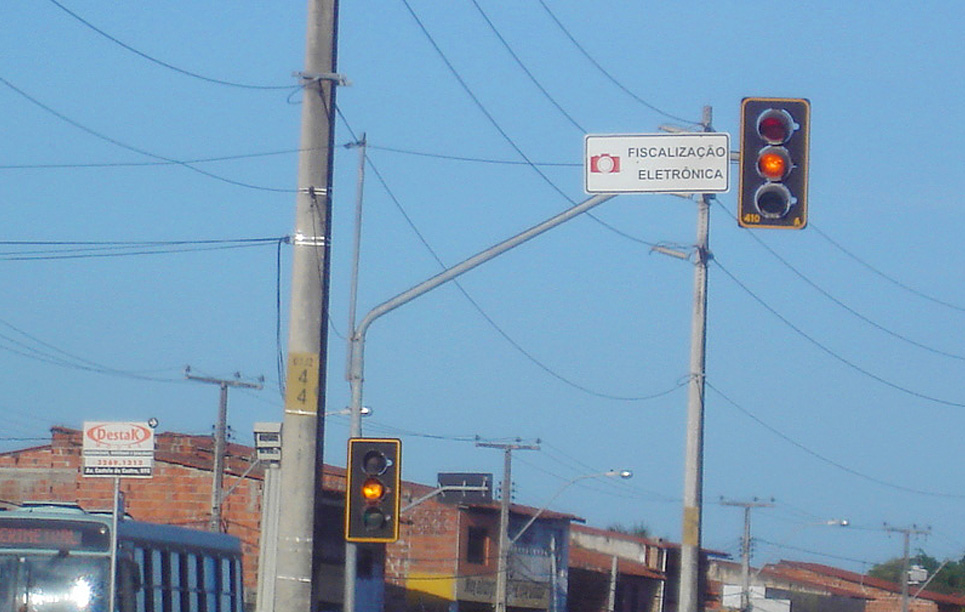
(179, 493)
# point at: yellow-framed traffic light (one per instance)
(774, 163)
(372, 494)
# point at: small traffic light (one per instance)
(774, 163)
(372, 490)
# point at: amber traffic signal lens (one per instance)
(774, 163)
(373, 490)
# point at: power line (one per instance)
(502, 132)
(888, 278)
(526, 70)
(56, 250)
(824, 459)
(128, 147)
(162, 63)
(480, 160)
(833, 354)
(841, 304)
(516, 345)
(606, 73)
(201, 160)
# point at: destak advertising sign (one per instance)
(118, 449)
(697, 162)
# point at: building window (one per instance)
(476, 545)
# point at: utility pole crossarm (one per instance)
(220, 438)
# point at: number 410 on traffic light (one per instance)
(774, 163)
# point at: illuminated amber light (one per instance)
(373, 490)
(773, 166)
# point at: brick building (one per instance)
(178, 494)
(447, 555)
(444, 561)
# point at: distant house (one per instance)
(791, 586)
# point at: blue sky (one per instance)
(834, 354)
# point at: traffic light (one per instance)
(774, 163)
(372, 491)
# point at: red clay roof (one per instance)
(858, 580)
(594, 561)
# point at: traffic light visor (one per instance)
(373, 519)
(373, 490)
(775, 126)
(375, 463)
(774, 163)
(773, 200)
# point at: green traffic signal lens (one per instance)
(373, 519)
(773, 200)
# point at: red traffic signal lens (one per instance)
(374, 463)
(773, 200)
(373, 490)
(373, 519)
(774, 163)
(775, 126)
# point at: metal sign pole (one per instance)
(114, 521)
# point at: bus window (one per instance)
(210, 582)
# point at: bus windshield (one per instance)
(53, 583)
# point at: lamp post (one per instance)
(357, 339)
(506, 542)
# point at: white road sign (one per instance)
(697, 162)
(118, 449)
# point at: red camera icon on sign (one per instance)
(604, 164)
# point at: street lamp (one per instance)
(363, 411)
(505, 542)
(624, 474)
(745, 591)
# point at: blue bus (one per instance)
(57, 558)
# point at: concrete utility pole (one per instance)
(746, 547)
(304, 420)
(502, 564)
(907, 532)
(220, 438)
(690, 596)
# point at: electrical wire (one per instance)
(822, 458)
(56, 250)
(606, 73)
(55, 356)
(813, 552)
(134, 149)
(878, 272)
(462, 158)
(502, 132)
(526, 70)
(505, 335)
(852, 311)
(831, 353)
(162, 63)
(201, 160)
